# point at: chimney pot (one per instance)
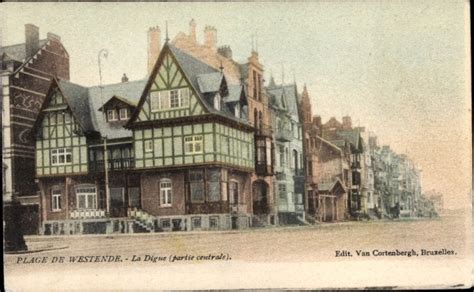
(225, 51)
(124, 78)
(192, 29)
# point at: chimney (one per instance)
(225, 51)
(192, 29)
(124, 78)
(210, 37)
(31, 40)
(317, 121)
(54, 37)
(346, 123)
(154, 46)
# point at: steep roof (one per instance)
(18, 52)
(78, 99)
(131, 91)
(290, 95)
(85, 103)
(204, 77)
(328, 187)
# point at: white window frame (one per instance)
(193, 142)
(148, 146)
(63, 153)
(112, 115)
(161, 100)
(217, 101)
(86, 191)
(166, 192)
(237, 110)
(125, 115)
(56, 200)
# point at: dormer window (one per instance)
(237, 110)
(112, 115)
(123, 113)
(217, 101)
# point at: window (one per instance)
(112, 115)
(282, 156)
(61, 156)
(67, 118)
(56, 200)
(213, 222)
(196, 222)
(196, 186)
(170, 99)
(237, 110)
(214, 185)
(148, 145)
(165, 193)
(282, 191)
(165, 223)
(261, 152)
(124, 113)
(234, 192)
(193, 144)
(86, 197)
(217, 101)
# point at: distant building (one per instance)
(288, 136)
(328, 171)
(26, 71)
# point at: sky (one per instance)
(398, 68)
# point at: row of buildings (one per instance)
(203, 142)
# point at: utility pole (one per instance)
(104, 53)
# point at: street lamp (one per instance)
(104, 53)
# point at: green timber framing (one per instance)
(227, 143)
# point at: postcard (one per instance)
(262, 145)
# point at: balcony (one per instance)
(263, 169)
(87, 214)
(284, 135)
(265, 131)
(113, 164)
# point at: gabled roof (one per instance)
(329, 187)
(18, 52)
(289, 94)
(354, 137)
(120, 99)
(85, 103)
(78, 100)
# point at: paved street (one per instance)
(276, 245)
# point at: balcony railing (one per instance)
(87, 214)
(264, 131)
(284, 135)
(113, 164)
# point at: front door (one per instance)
(117, 202)
(259, 193)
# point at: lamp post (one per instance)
(103, 53)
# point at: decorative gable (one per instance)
(168, 94)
